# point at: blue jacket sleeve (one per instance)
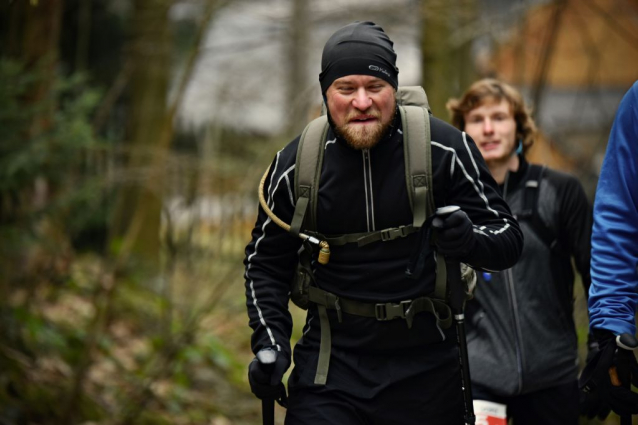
(613, 295)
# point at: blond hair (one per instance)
(490, 90)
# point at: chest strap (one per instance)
(364, 238)
(381, 311)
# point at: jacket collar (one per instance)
(514, 178)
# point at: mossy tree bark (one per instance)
(447, 66)
(136, 221)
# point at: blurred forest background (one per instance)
(132, 137)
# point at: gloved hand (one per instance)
(454, 234)
(606, 378)
(593, 347)
(265, 373)
(591, 405)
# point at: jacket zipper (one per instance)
(509, 280)
(367, 181)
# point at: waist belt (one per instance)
(381, 311)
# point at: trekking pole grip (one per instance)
(267, 358)
(453, 270)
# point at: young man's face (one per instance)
(362, 108)
(493, 128)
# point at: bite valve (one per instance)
(324, 252)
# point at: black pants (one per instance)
(404, 388)
(551, 406)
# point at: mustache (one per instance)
(373, 113)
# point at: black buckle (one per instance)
(386, 235)
(389, 311)
(390, 234)
(332, 302)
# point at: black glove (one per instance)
(454, 234)
(608, 375)
(593, 347)
(591, 404)
(265, 373)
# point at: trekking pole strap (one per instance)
(440, 283)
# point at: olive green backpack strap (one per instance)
(307, 170)
(418, 156)
(307, 173)
(417, 147)
(413, 96)
(416, 128)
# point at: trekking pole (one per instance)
(457, 299)
(267, 358)
(623, 374)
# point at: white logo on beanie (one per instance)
(379, 69)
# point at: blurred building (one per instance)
(574, 60)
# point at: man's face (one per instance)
(362, 108)
(493, 128)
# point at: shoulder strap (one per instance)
(307, 171)
(413, 96)
(530, 205)
(530, 192)
(418, 157)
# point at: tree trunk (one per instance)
(136, 224)
(297, 96)
(32, 38)
(447, 69)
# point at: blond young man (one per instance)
(521, 334)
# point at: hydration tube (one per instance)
(324, 252)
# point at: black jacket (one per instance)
(360, 191)
(521, 331)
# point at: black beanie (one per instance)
(359, 48)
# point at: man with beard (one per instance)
(383, 369)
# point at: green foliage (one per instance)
(91, 337)
(48, 140)
(15, 117)
(32, 148)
